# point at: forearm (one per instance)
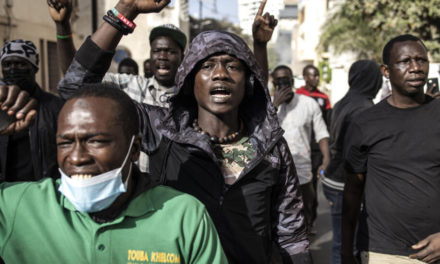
(260, 52)
(352, 199)
(65, 47)
(325, 151)
(89, 66)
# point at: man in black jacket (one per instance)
(243, 172)
(30, 154)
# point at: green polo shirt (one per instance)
(161, 225)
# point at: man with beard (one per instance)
(219, 141)
(393, 166)
(30, 154)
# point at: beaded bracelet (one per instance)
(125, 20)
(64, 36)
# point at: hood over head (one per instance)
(365, 78)
(256, 109)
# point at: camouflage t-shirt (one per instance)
(233, 158)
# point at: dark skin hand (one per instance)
(353, 191)
(282, 95)
(429, 249)
(19, 104)
(433, 95)
(262, 30)
(107, 37)
(325, 151)
(60, 12)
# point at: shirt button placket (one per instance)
(102, 246)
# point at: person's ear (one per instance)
(385, 70)
(136, 149)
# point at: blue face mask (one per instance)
(98, 192)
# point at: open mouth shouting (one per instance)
(163, 69)
(220, 94)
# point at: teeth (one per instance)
(220, 95)
(162, 71)
(80, 177)
(220, 91)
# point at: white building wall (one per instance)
(312, 15)
(340, 66)
(247, 9)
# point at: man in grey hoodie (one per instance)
(219, 141)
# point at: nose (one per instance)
(163, 55)
(78, 155)
(220, 72)
(415, 65)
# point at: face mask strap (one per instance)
(129, 151)
(127, 159)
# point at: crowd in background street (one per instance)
(193, 161)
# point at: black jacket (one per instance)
(365, 80)
(262, 209)
(42, 138)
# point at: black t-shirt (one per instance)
(398, 150)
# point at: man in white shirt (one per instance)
(299, 115)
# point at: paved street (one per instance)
(322, 241)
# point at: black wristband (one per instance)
(117, 23)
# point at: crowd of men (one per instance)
(194, 162)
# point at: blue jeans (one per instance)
(334, 197)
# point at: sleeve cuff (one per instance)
(94, 58)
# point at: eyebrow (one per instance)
(86, 135)
(227, 59)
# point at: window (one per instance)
(53, 68)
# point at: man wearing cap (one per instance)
(167, 44)
(30, 154)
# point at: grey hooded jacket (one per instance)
(258, 217)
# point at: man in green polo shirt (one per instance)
(102, 210)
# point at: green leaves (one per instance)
(364, 26)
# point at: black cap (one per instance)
(171, 31)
